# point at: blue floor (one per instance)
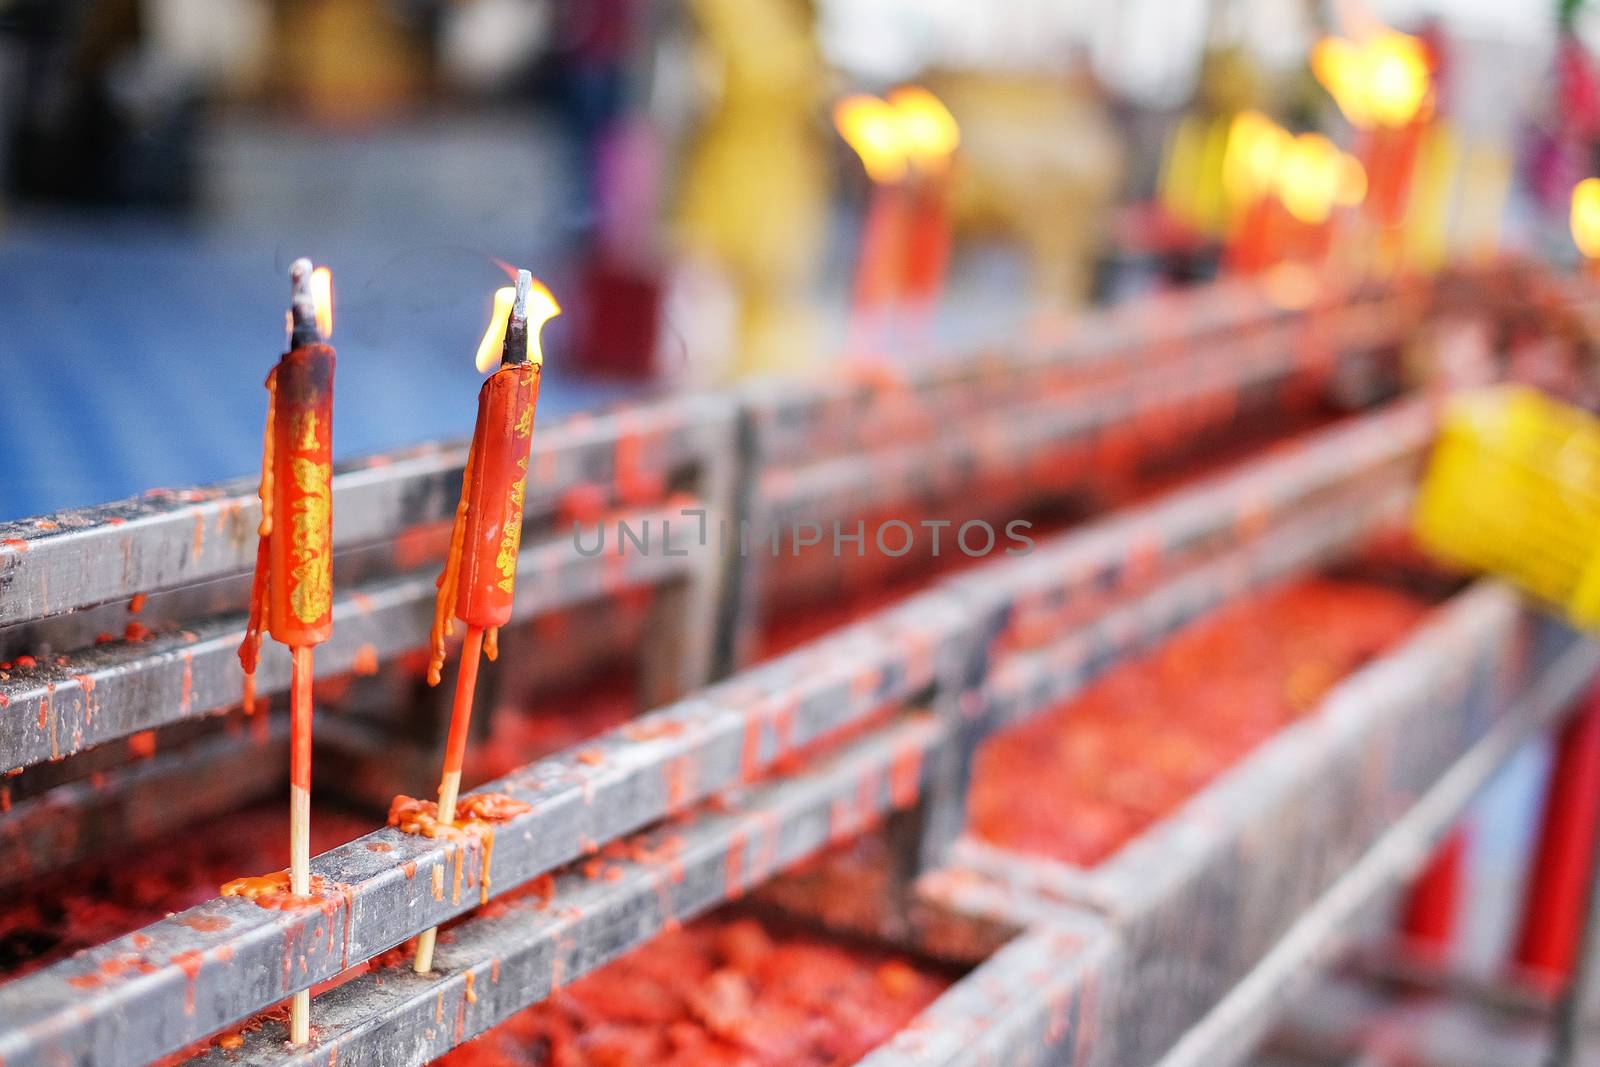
(132, 351)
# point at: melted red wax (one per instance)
(473, 814)
(724, 991)
(1076, 783)
(272, 891)
(48, 918)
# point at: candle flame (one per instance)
(1586, 217)
(872, 127)
(1383, 80)
(542, 307)
(1250, 160)
(1310, 176)
(322, 296)
(928, 132)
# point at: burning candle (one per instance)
(929, 135)
(292, 595)
(1250, 161)
(480, 572)
(873, 128)
(1383, 85)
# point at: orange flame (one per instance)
(542, 307)
(322, 295)
(928, 132)
(872, 127)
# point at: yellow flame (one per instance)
(872, 127)
(1586, 217)
(1381, 81)
(1255, 145)
(1398, 73)
(928, 132)
(542, 307)
(1310, 176)
(322, 296)
(1339, 65)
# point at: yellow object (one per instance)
(1513, 488)
(755, 183)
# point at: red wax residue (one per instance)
(1077, 783)
(410, 815)
(366, 661)
(49, 917)
(272, 891)
(724, 991)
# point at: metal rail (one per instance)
(195, 978)
(1232, 1029)
(73, 702)
(170, 538)
(518, 952)
(1200, 896)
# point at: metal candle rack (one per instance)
(182, 558)
(1075, 404)
(915, 687)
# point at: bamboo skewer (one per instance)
(455, 754)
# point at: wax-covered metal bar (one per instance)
(1214, 327)
(218, 963)
(1027, 680)
(65, 704)
(519, 951)
(1045, 997)
(1138, 412)
(1229, 1033)
(169, 538)
(1064, 579)
(140, 800)
(1205, 892)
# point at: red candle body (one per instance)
(879, 274)
(928, 242)
(300, 573)
(495, 495)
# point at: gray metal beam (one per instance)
(220, 962)
(1231, 1031)
(517, 953)
(70, 703)
(169, 538)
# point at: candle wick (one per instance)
(302, 306)
(515, 348)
